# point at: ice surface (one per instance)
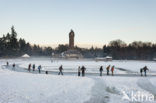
(24, 87)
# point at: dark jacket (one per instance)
(60, 68)
(101, 69)
(83, 69)
(145, 68)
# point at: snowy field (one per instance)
(19, 86)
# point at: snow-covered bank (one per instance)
(25, 87)
(38, 88)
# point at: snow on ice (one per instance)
(23, 87)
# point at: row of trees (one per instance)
(10, 46)
(136, 50)
(118, 49)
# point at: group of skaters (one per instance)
(13, 65)
(81, 70)
(108, 69)
(144, 69)
(33, 67)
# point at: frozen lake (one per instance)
(92, 66)
(20, 86)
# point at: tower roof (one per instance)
(71, 32)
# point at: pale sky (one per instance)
(95, 22)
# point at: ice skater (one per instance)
(60, 70)
(141, 70)
(33, 67)
(29, 67)
(79, 71)
(7, 63)
(107, 69)
(39, 68)
(13, 66)
(101, 70)
(112, 70)
(83, 69)
(46, 72)
(145, 70)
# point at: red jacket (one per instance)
(112, 69)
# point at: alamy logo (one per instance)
(137, 96)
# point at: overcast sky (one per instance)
(95, 22)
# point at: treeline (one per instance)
(11, 46)
(118, 49)
(136, 50)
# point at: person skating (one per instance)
(141, 70)
(29, 67)
(79, 71)
(39, 68)
(107, 69)
(33, 67)
(83, 69)
(46, 72)
(13, 66)
(112, 69)
(101, 70)
(60, 70)
(145, 70)
(7, 63)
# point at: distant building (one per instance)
(71, 52)
(107, 58)
(25, 56)
(71, 39)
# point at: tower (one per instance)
(71, 39)
(72, 52)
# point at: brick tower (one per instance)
(71, 39)
(72, 52)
